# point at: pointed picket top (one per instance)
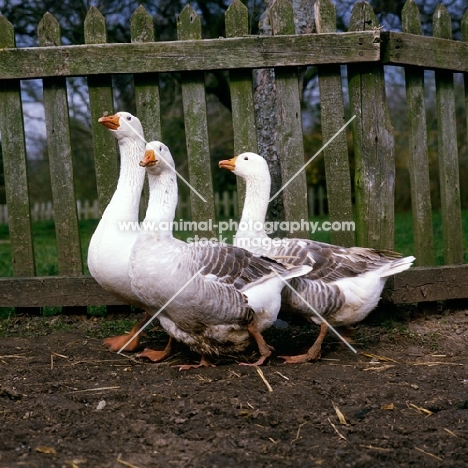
(48, 31)
(95, 27)
(325, 16)
(363, 18)
(411, 18)
(7, 33)
(282, 17)
(189, 24)
(142, 26)
(237, 19)
(442, 23)
(464, 26)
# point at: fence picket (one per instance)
(418, 150)
(196, 128)
(464, 29)
(242, 100)
(373, 144)
(100, 100)
(146, 90)
(289, 137)
(60, 157)
(14, 165)
(448, 151)
(335, 155)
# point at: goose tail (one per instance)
(397, 266)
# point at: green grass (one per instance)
(45, 248)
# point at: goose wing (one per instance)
(329, 262)
(228, 264)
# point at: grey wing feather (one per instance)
(233, 265)
(329, 262)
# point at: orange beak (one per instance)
(149, 159)
(112, 122)
(229, 164)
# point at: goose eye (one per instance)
(129, 118)
(246, 158)
(160, 148)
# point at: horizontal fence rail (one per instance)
(209, 54)
(364, 50)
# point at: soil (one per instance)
(402, 400)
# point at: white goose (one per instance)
(344, 285)
(111, 245)
(215, 297)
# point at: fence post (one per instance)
(373, 144)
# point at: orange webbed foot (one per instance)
(299, 359)
(204, 362)
(157, 356)
(152, 355)
(116, 343)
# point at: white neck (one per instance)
(257, 194)
(124, 205)
(162, 203)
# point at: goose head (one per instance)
(123, 125)
(157, 159)
(248, 166)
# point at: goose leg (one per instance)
(346, 332)
(314, 352)
(264, 349)
(157, 356)
(116, 343)
(204, 362)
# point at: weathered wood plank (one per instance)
(196, 129)
(146, 90)
(15, 167)
(190, 55)
(427, 284)
(242, 100)
(53, 291)
(60, 160)
(464, 29)
(422, 51)
(418, 150)
(418, 284)
(101, 101)
(336, 158)
(289, 142)
(448, 151)
(373, 145)
(146, 85)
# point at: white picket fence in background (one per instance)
(225, 202)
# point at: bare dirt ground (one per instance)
(65, 401)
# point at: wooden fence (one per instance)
(364, 49)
